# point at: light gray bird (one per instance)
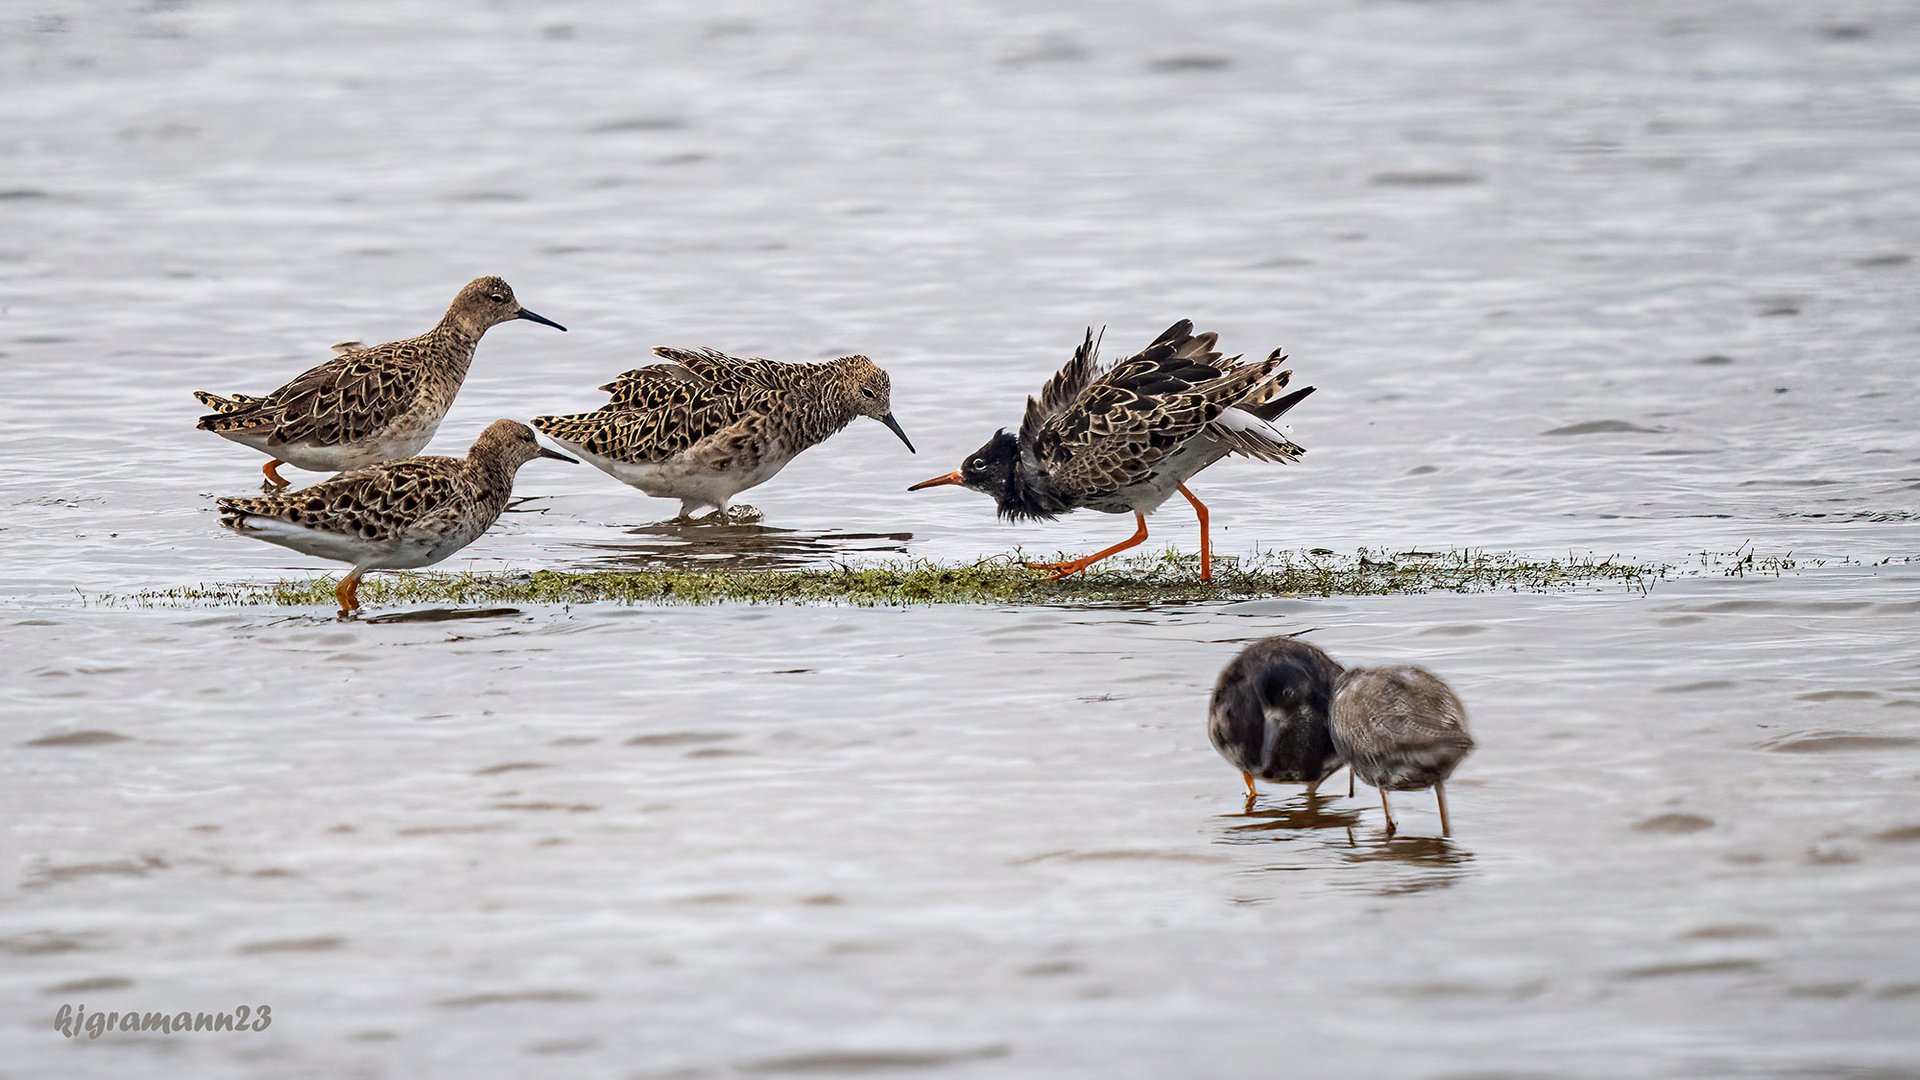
(1400, 729)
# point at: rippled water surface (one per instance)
(1620, 279)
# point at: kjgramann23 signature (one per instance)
(73, 1021)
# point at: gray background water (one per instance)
(1572, 277)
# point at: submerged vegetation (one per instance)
(1172, 578)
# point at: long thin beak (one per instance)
(940, 481)
(541, 319)
(558, 456)
(894, 426)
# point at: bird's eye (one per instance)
(497, 298)
(978, 464)
(866, 393)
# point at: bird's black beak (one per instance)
(541, 319)
(558, 456)
(894, 426)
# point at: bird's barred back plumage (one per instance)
(1095, 432)
(714, 405)
(413, 511)
(1401, 728)
(381, 502)
(350, 397)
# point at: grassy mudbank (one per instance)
(1168, 579)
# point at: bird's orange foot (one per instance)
(274, 481)
(1062, 569)
(348, 593)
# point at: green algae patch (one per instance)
(1173, 578)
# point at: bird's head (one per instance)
(489, 301)
(873, 394)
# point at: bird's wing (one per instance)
(656, 413)
(380, 502)
(227, 403)
(1126, 421)
(1061, 390)
(1249, 428)
(732, 374)
(652, 386)
(348, 398)
(1386, 710)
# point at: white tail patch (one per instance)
(1245, 423)
(322, 545)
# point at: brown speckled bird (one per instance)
(396, 515)
(1400, 729)
(367, 405)
(1269, 715)
(1125, 439)
(705, 426)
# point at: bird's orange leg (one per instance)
(1206, 541)
(272, 471)
(1248, 777)
(1074, 566)
(348, 593)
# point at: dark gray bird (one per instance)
(1270, 713)
(1400, 729)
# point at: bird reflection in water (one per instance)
(1338, 839)
(1304, 812)
(433, 615)
(1424, 862)
(738, 546)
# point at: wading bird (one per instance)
(705, 426)
(1400, 729)
(1125, 439)
(367, 405)
(1269, 714)
(396, 515)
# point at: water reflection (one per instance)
(737, 547)
(431, 615)
(1342, 838)
(1302, 812)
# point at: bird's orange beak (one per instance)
(939, 481)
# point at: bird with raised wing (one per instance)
(367, 404)
(1124, 439)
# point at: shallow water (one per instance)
(1588, 280)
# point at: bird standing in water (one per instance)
(367, 405)
(1269, 716)
(1400, 729)
(705, 426)
(397, 515)
(1123, 440)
